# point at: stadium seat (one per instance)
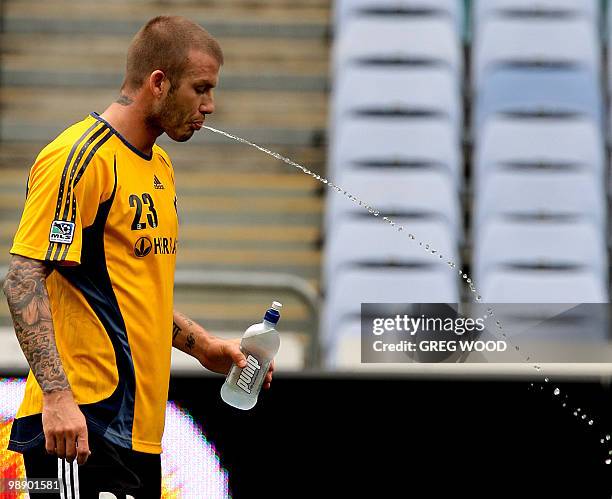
(576, 143)
(542, 286)
(572, 245)
(428, 142)
(366, 241)
(577, 195)
(543, 91)
(430, 41)
(395, 193)
(353, 287)
(346, 342)
(535, 41)
(346, 10)
(485, 9)
(396, 92)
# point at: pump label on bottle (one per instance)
(248, 374)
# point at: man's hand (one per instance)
(65, 427)
(217, 355)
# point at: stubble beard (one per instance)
(168, 119)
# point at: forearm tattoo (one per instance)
(28, 303)
(175, 330)
(183, 336)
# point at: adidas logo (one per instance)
(156, 183)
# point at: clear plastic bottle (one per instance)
(259, 344)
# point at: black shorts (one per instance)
(110, 468)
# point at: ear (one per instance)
(158, 83)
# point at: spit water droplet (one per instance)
(607, 437)
(608, 461)
(546, 380)
(557, 391)
(591, 422)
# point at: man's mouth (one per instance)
(197, 125)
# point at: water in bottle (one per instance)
(259, 345)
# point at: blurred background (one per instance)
(481, 127)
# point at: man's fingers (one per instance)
(49, 443)
(60, 445)
(83, 451)
(237, 356)
(70, 447)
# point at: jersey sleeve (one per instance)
(62, 199)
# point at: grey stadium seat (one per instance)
(546, 91)
(542, 41)
(485, 9)
(577, 195)
(347, 10)
(409, 91)
(365, 241)
(353, 287)
(534, 286)
(430, 142)
(523, 244)
(397, 40)
(578, 143)
(396, 193)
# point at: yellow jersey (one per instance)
(103, 215)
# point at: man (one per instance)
(90, 284)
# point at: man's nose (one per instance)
(207, 107)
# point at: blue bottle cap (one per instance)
(273, 314)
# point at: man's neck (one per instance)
(130, 122)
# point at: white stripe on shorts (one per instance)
(75, 479)
(68, 475)
(60, 476)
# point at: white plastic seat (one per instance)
(397, 193)
(362, 241)
(540, 91)
(534, 40)
(485, 9)
(578, 195)
(504, 141)
(511, 243)
(375, 90)
(363, 142)
(353, 287)
(411, 41)
(347, 10)
(534, 286)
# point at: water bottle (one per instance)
(259, 345)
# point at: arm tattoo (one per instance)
(28, 303)
(124, 100)
(190, 342)
(175, 331)
(184, 338)
(187, 320)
